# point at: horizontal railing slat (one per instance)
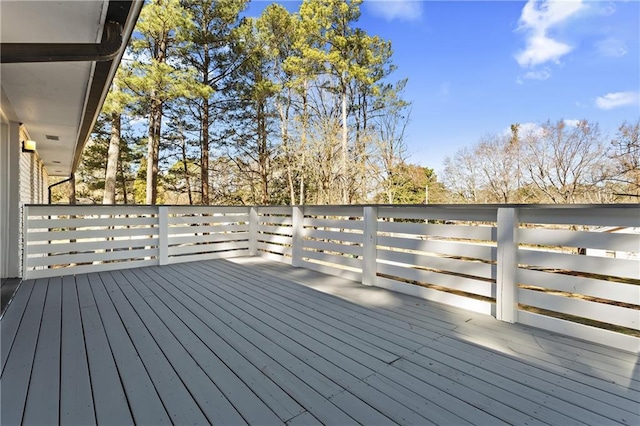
(349, 237)
(280, 239)
(475, 251)
(620, 341)
(183, 210)
(466, 303)
(332, 270)
(466, 213)
(284, 230)
(91, 222)
(484, 233)
(352, 211)
(188, 230)
(198, 220)
(207, 256)
(92, 257)
(86, 269)
(471, 268)
(91, 246)
(276, 257)
(600, 216)
(333, 223)
(468, 285)
(285, 210)
(334, 259)
(90, 210)
(579, 263)
(619, 292)
(207, 248)
(581, 239)
(277, 220)
(355, 250)
(611, 314)
(92, 233)
(208, 238)
(274, 248)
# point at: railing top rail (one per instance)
(449, 206)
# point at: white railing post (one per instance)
(25, 246)
(297, 237)
(369, 246)
(163, 235)
(507, 268)
(253, 230)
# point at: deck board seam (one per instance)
(35, 349)
(86, 350)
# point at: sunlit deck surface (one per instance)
(252, 341)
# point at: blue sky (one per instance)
(476, 67)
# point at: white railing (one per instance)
(527, 264)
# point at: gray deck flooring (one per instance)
(248, 341)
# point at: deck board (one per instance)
(252, 341)
(109, 398)
(201, 367)
(42, 400)
(144, 401)
(17, 371)
(568, 356)
(76, 402)
(237, 358)
(11, 321)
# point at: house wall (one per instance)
(10, 207)
(23, 180)
(33, 177)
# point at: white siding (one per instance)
(33, 179)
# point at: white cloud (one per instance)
(540, 75)
(137, 121)
(402, 10)
(537, 19)
(571, 122)
(611, 47)
(617, 99)
(607, 9)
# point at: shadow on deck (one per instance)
(252, 341)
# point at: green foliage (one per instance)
(258, 110)
(91, 172)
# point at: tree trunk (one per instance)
(153, 150)
(204, 154)
(303, 143)
(109, 195)
(345, 135)
(263, 153)
(72, 187)
(185, 167)
(204, 150)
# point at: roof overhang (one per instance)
(58, 100)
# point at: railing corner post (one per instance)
(163, 235)
(297, 237)
(25, 245)
(369, 246)
(507, 268)
(253, 231)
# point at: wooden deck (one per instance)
(252, 341)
